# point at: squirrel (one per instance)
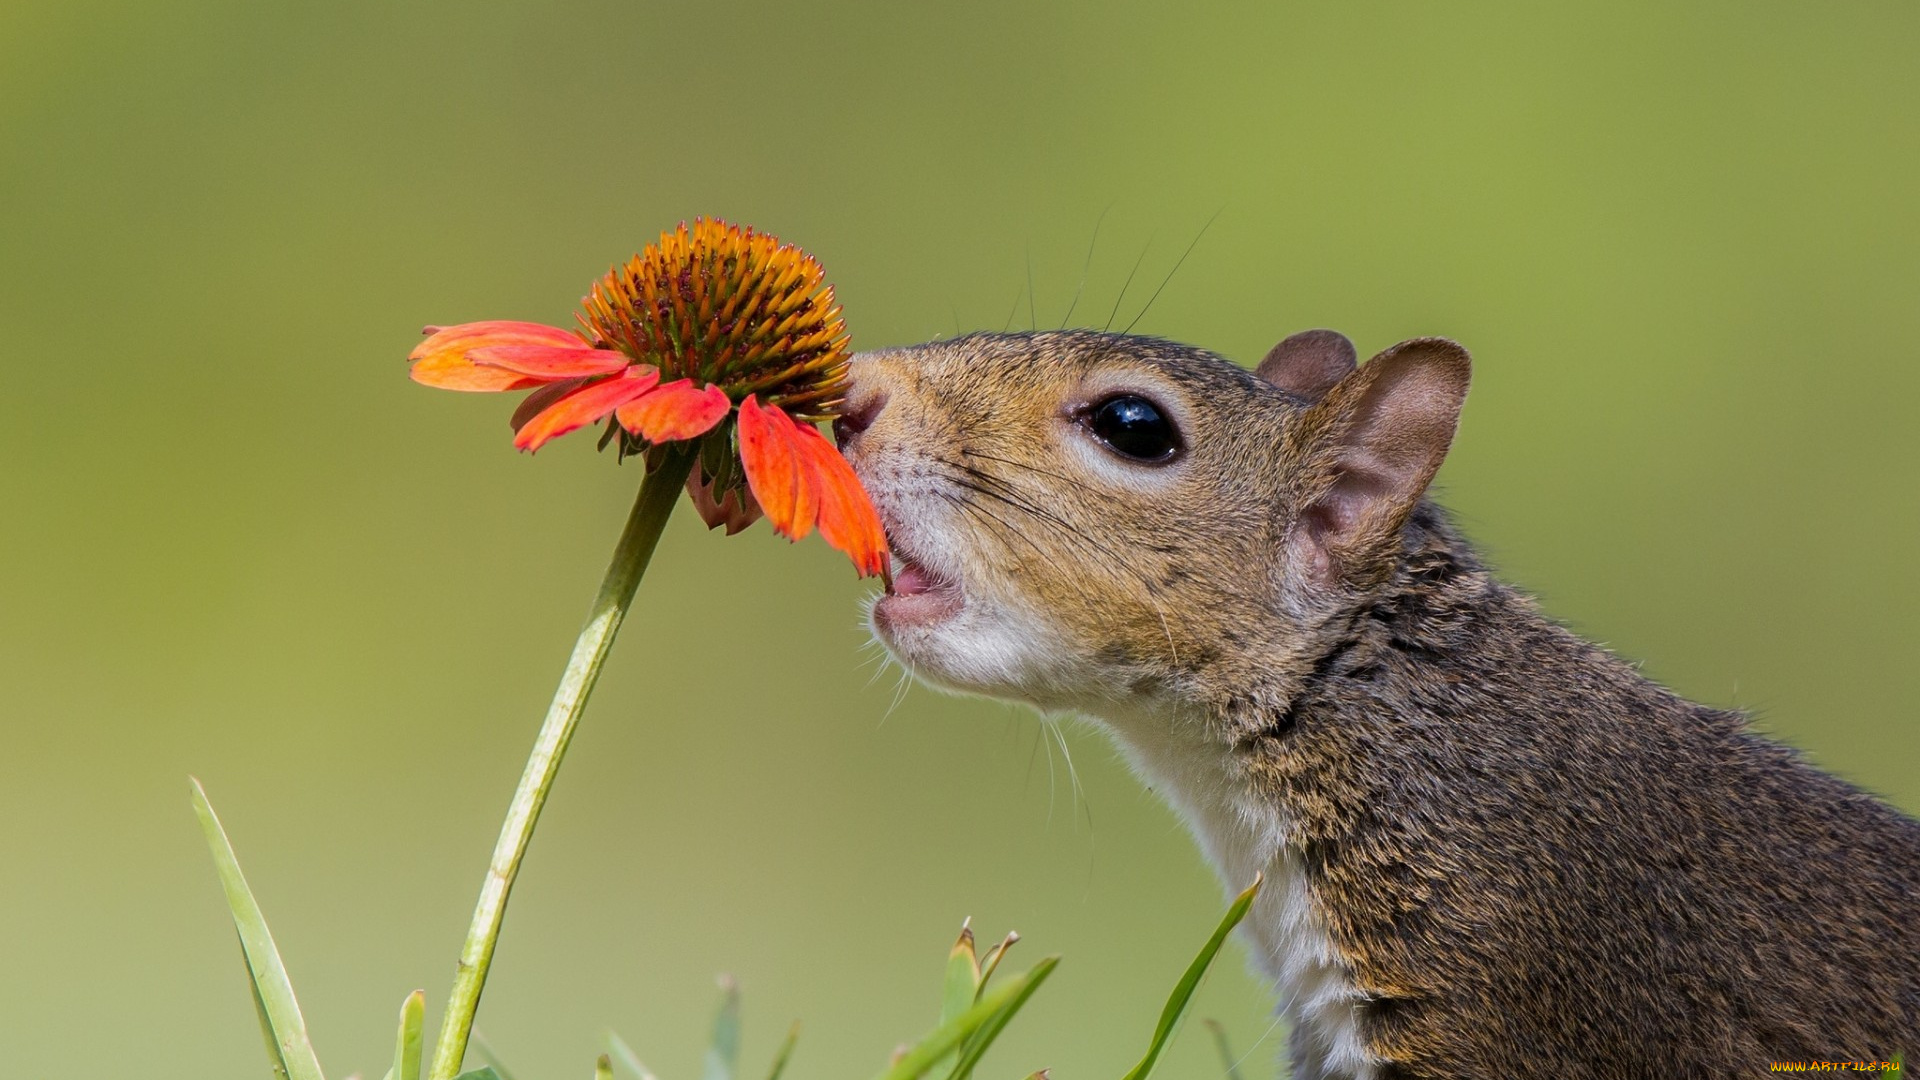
(1492, 848)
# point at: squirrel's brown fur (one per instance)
(1542, 864)
(1529, 860)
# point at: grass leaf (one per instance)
(962, 987)
(624, 1055)
(1229, 1064)
(273, 991)
(406, 1048)
(1183, 991)
(266, 1026)
(963, 977)
(723, 1053)
(992, 962)
(977, 1043)
(785, 1052)
(922, 1057)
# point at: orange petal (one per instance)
(537, 402)
(737, 511)
(848, 520)
(584, 406)
(550, 363)
(442, 359)
(774, 470)
(675, 411)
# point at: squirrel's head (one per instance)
(1088, 521)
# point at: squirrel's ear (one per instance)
(1309, 363)
(1373, 445)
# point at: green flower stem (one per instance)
(659, 492)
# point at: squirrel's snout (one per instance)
(864, 402)
(857, 417)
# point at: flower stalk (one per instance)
(654, 504)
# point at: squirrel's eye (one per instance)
(1134, 427)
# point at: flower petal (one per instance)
(442, 359)
(584, 406)
(675, 411)
(736, 511)
(537, 402)
(774, 470)
(847, 518)
(550, 363)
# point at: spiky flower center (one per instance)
(725, 305)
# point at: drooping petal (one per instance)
(536, 402)
(442, 360)
(774, 470)
(584, 406)
(549, 363)
(847, 518)
(675, 411)
(737, 510)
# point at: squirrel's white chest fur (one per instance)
(1242, 837)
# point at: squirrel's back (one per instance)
(1543, 863)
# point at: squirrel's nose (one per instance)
(864, 402)
(857, 417)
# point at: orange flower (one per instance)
(716, 337)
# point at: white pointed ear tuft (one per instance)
(1309, 363)
(1376, 440)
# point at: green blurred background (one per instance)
(1680, 239)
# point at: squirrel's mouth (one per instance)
(918, 596)
(912, 579)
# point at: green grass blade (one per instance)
(491, 1056)
(603, 1068)
(273, 991)
(977, 1043)
(786, 1051)
(723, 1052)
(917, 1061)
(1229, 1064)
(1183, 992)
(963, 977)
(406, 1047)
(625, 1055)
(992, 962)
(962, 987)
(266, 1026)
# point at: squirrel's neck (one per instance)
(1271, 769)
(1210, 751)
